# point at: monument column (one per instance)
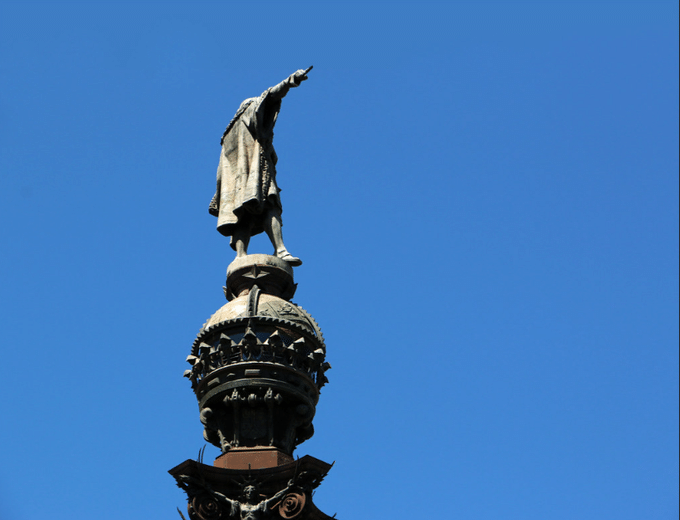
(259, 362)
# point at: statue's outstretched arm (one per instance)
(270, 501)
(292, 81)
(231, 503)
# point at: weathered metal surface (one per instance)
(246, 200)
(283, 491)
(259, 362)
(271, 274)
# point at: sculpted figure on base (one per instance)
(205, 502)
(249, 509)
(247, 201)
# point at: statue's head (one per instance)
(250, 493)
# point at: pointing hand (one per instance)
(300, 75)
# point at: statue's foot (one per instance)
(287, 257)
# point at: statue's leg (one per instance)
(241, 240)
(272, 226)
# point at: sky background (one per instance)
(485, 197)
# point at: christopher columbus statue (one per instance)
(247, 198)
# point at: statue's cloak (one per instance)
(246, 174)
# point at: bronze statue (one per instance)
(247, 200)
(205, 502)
(249, 509)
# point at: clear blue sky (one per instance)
(485, 196)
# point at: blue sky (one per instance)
(485, 196)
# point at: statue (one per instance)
(250, 509)
(247, 200)
(205, 502)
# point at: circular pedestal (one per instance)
(271, 274)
